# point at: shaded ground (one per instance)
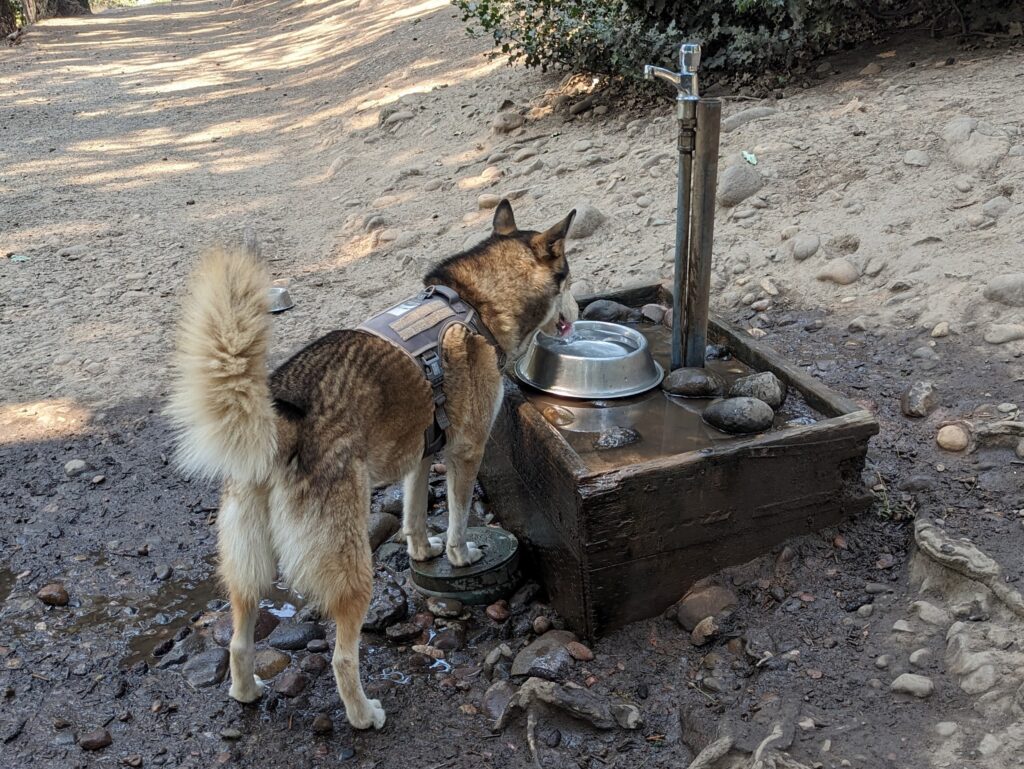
(267, 115)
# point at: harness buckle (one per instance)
(432, 369)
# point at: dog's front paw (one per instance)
(372, 715)
(247, 691)
(464, 555)
(425, 549)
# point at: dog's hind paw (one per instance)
(373, 715)
(432, 548)
(465, 555)
(246, 694)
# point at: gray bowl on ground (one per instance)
(596, 360)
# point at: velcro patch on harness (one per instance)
(418, 320)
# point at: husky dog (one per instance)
(300, 450)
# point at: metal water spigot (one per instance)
(685, 80)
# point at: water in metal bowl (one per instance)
(596, 360)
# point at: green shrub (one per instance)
(617, 37)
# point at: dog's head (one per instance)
(518, 279)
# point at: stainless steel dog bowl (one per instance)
(280, 299)
(596, 360)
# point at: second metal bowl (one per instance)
(596, 360)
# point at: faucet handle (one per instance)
(689, 58)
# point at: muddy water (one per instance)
(667, 424)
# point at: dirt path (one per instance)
(357, 139)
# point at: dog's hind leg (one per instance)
(463, 463)
(414, 515)
(247, 567)
(349, 611)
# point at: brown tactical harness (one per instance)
(416, 327)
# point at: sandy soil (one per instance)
(357, 140)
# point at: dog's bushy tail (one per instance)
(220, 403)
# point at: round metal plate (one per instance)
(494, 576)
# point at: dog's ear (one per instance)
(504, 219)
(554, 237)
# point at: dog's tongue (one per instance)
(564, 327)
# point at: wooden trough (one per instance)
(616, 546)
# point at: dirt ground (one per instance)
(878, 242)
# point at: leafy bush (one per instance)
(617, 37)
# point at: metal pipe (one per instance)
(702, 230)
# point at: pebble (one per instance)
(497, 699)
(705, 630)
(693, 383)
(269, 662)
(616, 438)
(499, 611)
(163, 572)
(322, 724)
(582, 145)
(920, 658)
(444, 607)
(946, 728)
(739, 415)
(626, 715)
(989, 745)
(382, 526)
(764, 386)
(805, 245)
(916, 158)
(872, 69)
(579, 652)
(963, 183)
(1007, 289)
(294, 637)
(653, 313)
(919, 400)
(291, 684)
(974, 145)
(953, 438)
(398, 117)
(866, 610)
(75, 467)
(701, 602)
(547, 657)
(1001, 333)
(930, 613)
(265, 624)
(541, 625)
(940, 330)
(403, 632)
(207, 668)
(1006, 408)
(882, 662)
(876, 588)
(976, 220)
(737, 183)
(524, 154)
(230, 734)
(504, 122)
(586, 222)
(911, 683)
(840, 271)
(488, 200)
(53, 595)
(314, 664)
(980, 680)
(97, 739)
(318, 645)
(996, 207)
(902, 626)
(388, 604)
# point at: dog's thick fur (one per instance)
(300, 451)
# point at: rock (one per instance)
(920, 658)
(627, 716)
(946, 728)
(902, 626)
(705, 630)
(399, 117)
(974, 145)
(764, 386)
(996, 207)
(97, 739)
(269, 662)
(919, 400)
(953, 438)
(583, 105)
(230, 734)
(989, 745)
(322, 724)
(163, 572)
(546, 657)
(207, 668)
(76, 467)
(737, 183)
(524, 154)
(866, 610)
(980, 680)
(541, 625)
(940, 330)
(586, 221)
(488, 200)
(701, 602)
(403, 632)
(693, 383)
(294, 637)
(1019, 451)
(314, 664)
(382, 526)
(804, 245)
(573, 699)
(616, 438)
(388, 605)
(916, 158)
(318, 645)
(1007, 289)
(653, 313)
(291, 684)
(1001, 333)
(882, 661)
(743, 117)
(611, 312)
(504, 122)
(840, 271)
(444, 607)
(265, 624)
(739, 415)
(930, 613)
(582, 145)
(872, 69)
(911, 683)
(497, 700)
(53, 594)
(579, 652)
(393, 555)
(498, 611)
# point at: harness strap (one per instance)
(416, 327)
